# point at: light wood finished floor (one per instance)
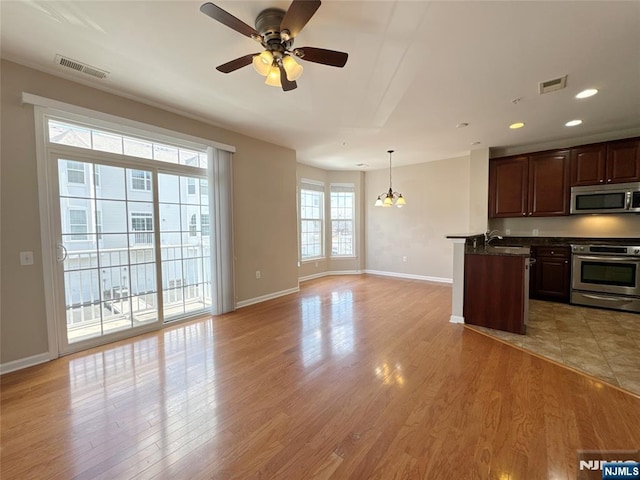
(355, 377)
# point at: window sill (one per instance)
(314, 259)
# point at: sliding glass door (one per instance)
(130, 258)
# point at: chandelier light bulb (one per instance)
(293, 68)
(262, 63)
(273, 78)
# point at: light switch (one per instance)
(26, 258)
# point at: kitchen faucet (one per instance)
(490, 235)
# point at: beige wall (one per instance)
(594, 226)
(438, 204)
(265, 231)
(337, 264)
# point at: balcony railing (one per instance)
(102, 296)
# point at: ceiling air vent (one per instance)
(553, 85)
(80, 67)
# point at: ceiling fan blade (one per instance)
(299, 13)
(286, 83)
(320, 55)
(234, 65)
(229, 20)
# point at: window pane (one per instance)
(165, 153)
(137, 148)
(106, 142)
(342, 211)
(69, 135)
(311, 206)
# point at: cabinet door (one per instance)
(549, 190)
(508, 179)
(623, 161)
(552, 278)
(588, 165)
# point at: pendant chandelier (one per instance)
(390, 198)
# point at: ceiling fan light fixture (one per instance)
(294, 69)
(273, 78)
(262, 63)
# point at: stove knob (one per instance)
(636, 251)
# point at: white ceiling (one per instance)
(416, 69)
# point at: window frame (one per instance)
(315, 188)
(343, 188)
(146, 216)
(70, 236)
(76, 171)
(148, 180)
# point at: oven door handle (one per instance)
(608, 299)
(609, 259)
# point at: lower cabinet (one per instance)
(495, 291)
(551, 273)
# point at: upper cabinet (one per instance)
(529, 185)
(612, 162)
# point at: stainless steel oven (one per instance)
(606, 276)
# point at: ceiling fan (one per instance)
(275, 31)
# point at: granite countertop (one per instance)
(497, 250)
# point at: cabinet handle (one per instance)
(566, 261)
(609, 180)
(523, 214)
(529, 213)
(602, 180)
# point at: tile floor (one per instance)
(602, 343)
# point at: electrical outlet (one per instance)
(26, 258)
(536, 232)
(404, 259)
(507, 231)
(258, 274)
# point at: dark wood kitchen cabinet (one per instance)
(530, 185)
(602, 163)
(550, 273)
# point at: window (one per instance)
(311, 228)
(142, 225)
(141, 180)
(78, 224)
(99, 224)
(342, 209)
(75, 172)
(193, 225)
(64, 133)
(96, 175)
(191, 186)
(204, 224)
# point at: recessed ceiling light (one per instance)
(475, 144)
(362, 164)
(515, 126)
(573, 123)
(462, 125)
(589, 92)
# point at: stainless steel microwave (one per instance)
(614, 198)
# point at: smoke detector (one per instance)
(553, 85)
(80, 67)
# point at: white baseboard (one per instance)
(24, 363)
(264, 298)
(410, 276)
(456, 319)
(328, 274)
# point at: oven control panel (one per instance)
(618, 250)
